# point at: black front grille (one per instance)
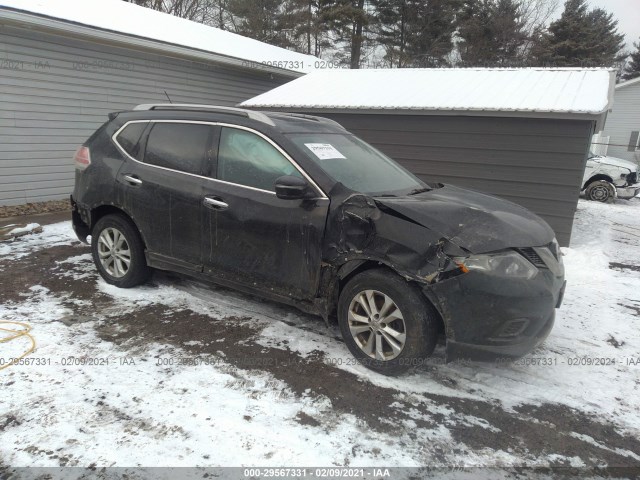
(531, 255)
(632, 178)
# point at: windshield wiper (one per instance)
(418, 190)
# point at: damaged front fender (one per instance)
(362, 229)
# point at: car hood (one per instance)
(477, 222)
(617, 162)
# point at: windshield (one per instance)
(357, 165)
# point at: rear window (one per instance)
(179, 146)
(129, 138)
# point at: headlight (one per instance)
(555, 249)
(507, 263)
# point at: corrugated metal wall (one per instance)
(623, 124)
(538, 163)
(55, 91)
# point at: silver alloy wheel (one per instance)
(377, 325)
(114, 252)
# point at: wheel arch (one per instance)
(595, 178)
(352, 268)
(103, 210)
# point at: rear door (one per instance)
(163, 189)
(252, 237)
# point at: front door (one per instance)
(252, 237)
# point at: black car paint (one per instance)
(299, 251)
(474, 221)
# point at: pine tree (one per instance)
(580, 38)
(308, 26)
(416, 33)
(632, 68)
(259, 19)
(430, 32)
(492, 33)
(346, 20)
(391, 21)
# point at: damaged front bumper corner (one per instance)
(463, 352)
(492, 318)
(628, 192)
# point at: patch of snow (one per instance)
(52, 235)
(619, 451)
(27, 228)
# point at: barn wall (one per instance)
(537, 163)
(55, 91)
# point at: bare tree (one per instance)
(536, 15)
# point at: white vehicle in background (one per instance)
(606, 178)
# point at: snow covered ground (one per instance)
(177, 373)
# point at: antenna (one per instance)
(169, 98)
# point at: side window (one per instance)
(179, 146)
(129, 138)
(247, 159)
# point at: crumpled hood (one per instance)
(477, 222)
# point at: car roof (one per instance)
(260, 120)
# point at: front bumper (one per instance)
(488, 317)
(628, 192)
(458, 351)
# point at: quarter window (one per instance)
(248, 159)
(179, 146)
(129, 138)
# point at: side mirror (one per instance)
(289, 187)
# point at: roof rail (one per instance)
(315, 118)
(259, 116)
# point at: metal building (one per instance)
(622, 130)
(521, 134)
(65, 65)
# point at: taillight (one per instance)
(82, 158)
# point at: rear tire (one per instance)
(118, 251)
(386, 322)
(601, 191)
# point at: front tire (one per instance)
(118, 252)
(601, 191)
(386, 322)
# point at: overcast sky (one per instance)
(628, 14)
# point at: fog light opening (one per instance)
(512, 328)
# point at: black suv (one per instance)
(296, 209)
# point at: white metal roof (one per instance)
(139, 22)
(574, 91)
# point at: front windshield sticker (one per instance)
(324, 151)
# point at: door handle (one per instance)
(132, 180)
(215, 203)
